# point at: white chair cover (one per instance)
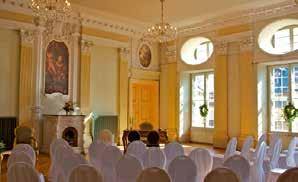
(22, 172)
(203, 160)
(19, 156)
(272, 163)
(246, 147)
(128, 169)
(136, 149)
(172, 150)
(291, 175)
(273, 139)
(85, 173)
(69, 161)
(218, 159)
(61, 150)
(53, 147)
(240, 166)
(290, 159)
(153, 175)
(95, 152)
(256, 170)
(182, 168)
(154, 157)
(222, 175)
(110, 158)
(231, 148)
(28, 150)
(262, 139)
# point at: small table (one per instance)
(163, 137)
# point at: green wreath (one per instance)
(290, 112)
(204, 110)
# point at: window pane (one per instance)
(279, 97)
(210, 100)
(197, 100)
(282, 40)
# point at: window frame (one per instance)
(205, 73)
(291, 36)
(270, 68)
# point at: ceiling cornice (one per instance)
(133, 28)
(87, 17)
(240, 17)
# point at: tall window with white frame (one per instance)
(283, 89)
(203, 92)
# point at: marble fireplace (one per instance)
(68, 127)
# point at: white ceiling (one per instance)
(176, 11)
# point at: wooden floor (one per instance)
(44, 162)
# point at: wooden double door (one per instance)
(144, 102)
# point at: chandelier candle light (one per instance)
(51, 10)
(163, 31)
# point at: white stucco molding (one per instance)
(241, 17)
(86, 46)
(221, 47)
(27, 36)
(82, 15)
(105, 42)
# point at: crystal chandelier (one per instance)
(51, 10)
(163, 31)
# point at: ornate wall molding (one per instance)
(102, 22)
(221, 48)
(247, 44)
(86, 46)
(125, 54)
(171, 53)
(27, 36)
(241, 17)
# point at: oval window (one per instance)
(280, 37)
(196, 50)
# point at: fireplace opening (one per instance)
(70, 134)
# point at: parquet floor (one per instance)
(44, 162)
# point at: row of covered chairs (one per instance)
(21, 165)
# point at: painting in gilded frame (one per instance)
(145, 55)
(57, 68)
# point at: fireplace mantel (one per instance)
(54, 126)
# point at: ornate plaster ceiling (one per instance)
(176, 11)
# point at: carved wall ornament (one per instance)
(221, 48)
(125, 53)
(27, 36)
(247, 43)
(86, 46)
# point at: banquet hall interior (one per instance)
(148, 90)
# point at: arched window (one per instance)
(280, 37)
(196, 50)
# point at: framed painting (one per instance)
(57, 68)
(145, 55)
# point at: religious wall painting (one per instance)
(57, 68)
(145, 55)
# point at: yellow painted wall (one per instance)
(9, 72)
(104, 97)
